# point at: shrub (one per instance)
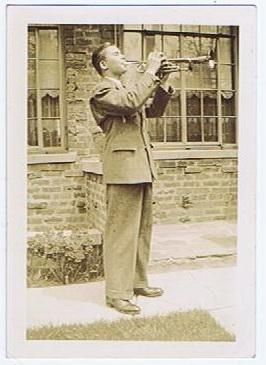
(62, 257)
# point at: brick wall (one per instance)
(195, 190)
(56, 197)
(95, 193)
(186, 190)
(79, 41)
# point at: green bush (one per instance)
(63, 257)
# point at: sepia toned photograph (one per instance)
(132, 184)
(100, 80)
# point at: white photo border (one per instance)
(18, 18)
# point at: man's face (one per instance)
(114, 61)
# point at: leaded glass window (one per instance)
(203, 109)
(45, 112)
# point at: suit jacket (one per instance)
(118, 110)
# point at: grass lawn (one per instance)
(196, 325)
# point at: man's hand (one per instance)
(154, 62)
(166, 69)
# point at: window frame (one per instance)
(184, 144)
(40, 148)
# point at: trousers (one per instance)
(127, 238)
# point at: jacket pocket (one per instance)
(121, 149)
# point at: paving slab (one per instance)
(193, 240)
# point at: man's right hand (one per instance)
(154, 62)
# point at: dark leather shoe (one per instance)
(122, 305)
(148, 292)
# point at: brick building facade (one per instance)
(197, 181)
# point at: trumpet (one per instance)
(173, 64)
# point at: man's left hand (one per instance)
(165, 71)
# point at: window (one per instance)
(203, 109)
(45, 111)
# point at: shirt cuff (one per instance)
(168, 89)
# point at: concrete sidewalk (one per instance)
(209, 288)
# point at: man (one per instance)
(128, 171)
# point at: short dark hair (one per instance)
(98, 56)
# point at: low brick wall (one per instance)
(56, 197)
(186, 191)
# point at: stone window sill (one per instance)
(175, 154)
(52, 158)
(94, 165)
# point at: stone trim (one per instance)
(193, 154)
(91, 233)
(93, 166)
(52, 158)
